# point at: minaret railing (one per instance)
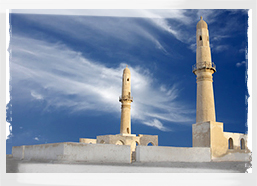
(204, 65)
(125, 98)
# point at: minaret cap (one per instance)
(201, 24)
(126, 70)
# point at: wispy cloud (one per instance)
(243, 50)
(219, 37)
(184, 19)
(36, 138)
(80, 28)
(193, 47)
(36, 95)
(220, 48)
(77, 26)
(240, 64)
(64, 78)
(159, 19)
(132, 13)
(157, 124)
(208, 14)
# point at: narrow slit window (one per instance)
(200, 38)
(230, 143)
(128, 79)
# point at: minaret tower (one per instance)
(203, 69)
(126, 99)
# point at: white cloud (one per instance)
(157, 124)
(219, 37)
(8, 131)
(220, 48)
(103, 28)
(159, 46)
(125, 32)
(159, 18)
(163, 88)
(208, 15)
(142, 13)
(64, 78)
(193, 47)
(36, 95)
(36, 138)
(240, 64)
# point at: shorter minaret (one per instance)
(126, 99)
(203, 69)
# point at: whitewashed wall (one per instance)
(69, 151)
(172, 154)
(97, 152)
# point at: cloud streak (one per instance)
(127, 30)
(65, 79)
(36, 95)
(240, 64)
(132, 13)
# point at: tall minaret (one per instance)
(126, 99)
(203, 69)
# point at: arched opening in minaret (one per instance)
(128, 130)
(242, 144)
(128, 79)
(200, 38)
(230, 143)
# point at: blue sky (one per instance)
(66, 69)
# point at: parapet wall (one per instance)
(110, 153)
(52, 151)
(172, 154)
(87, 140)
(69, 151)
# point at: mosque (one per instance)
(125, 137)
(210, 142)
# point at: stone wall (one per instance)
(69, 151)
(172, 154)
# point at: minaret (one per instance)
(126, 99)
(203, 69)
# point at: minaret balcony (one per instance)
(203, 65)
(125, 98)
